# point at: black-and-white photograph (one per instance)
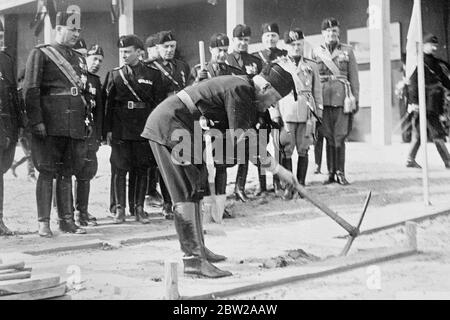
(247, 151)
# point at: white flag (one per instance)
(412, 40)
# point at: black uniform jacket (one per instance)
(178, 71)
(269, 55)
(48, 97)
(125, 116)
(435, 80)
(226, 100)
(10, 113)
(248, 63)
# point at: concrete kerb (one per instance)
(399, 224)
(407, 252)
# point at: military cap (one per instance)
(219, 40)
(80, 44)
(329, 23)
(130, 40)
(164, 36)
(293, 35)
(270, 27)
(242, 30)
(279, 78)
(95, 50)
(62, 18)
(151, 41)
(430, 38)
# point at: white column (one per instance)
(49, 32)
(126, 18)
(235, 15)
(380, 71)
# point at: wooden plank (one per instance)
(300, 277)
(35, 283)
(41, 294)
(6, 271)
(15, 276)
(15, 265)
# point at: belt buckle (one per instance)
(130, 105)
(74, 91)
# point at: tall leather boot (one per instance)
(4, 231)
(318, 150)
(154, 198)
(132, 176)
(112, 197)
(140, 189)
(190, 237)
(288, 192)
(241, 178)
(331, 164)
(262, 187)
(82, 190)
(64, 205)
(302, 169)
(119, 195)
(44, 196)
(167, 211)
(210, 256)
(220, 180)
(340, 172)
(443, 152)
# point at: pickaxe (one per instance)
(352, 231)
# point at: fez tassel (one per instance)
(414, 57)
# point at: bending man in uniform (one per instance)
(230, 102)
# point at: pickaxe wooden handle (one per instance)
(325, 209)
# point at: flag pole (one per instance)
(422, 104)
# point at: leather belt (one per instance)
(135, 105)
(333, 77)
(187, 101)
(73, 91)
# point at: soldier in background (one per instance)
(251, 65)
(299, 110)
(24, 135)
(9, 122)
(340, 86)
(436, 81)
(153, 197)
(54, 87)
(270, 37)
(94, 61)
(132, 93)
(176, 76)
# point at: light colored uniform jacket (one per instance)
(334, 89)
(309, 94)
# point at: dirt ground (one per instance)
(266, 234)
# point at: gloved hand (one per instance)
(202, 75)
(39, 130)
(277, 123)
(286, 176)
(205, 123)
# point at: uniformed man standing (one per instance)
(94, 99)
(299, 115)
(270, 37)
(229, 102)
(176, 76)
(9, 121)
(436, 80)
(251, 65)
(132, 93)
(218, 66)
(340, 86)
(59, 116)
